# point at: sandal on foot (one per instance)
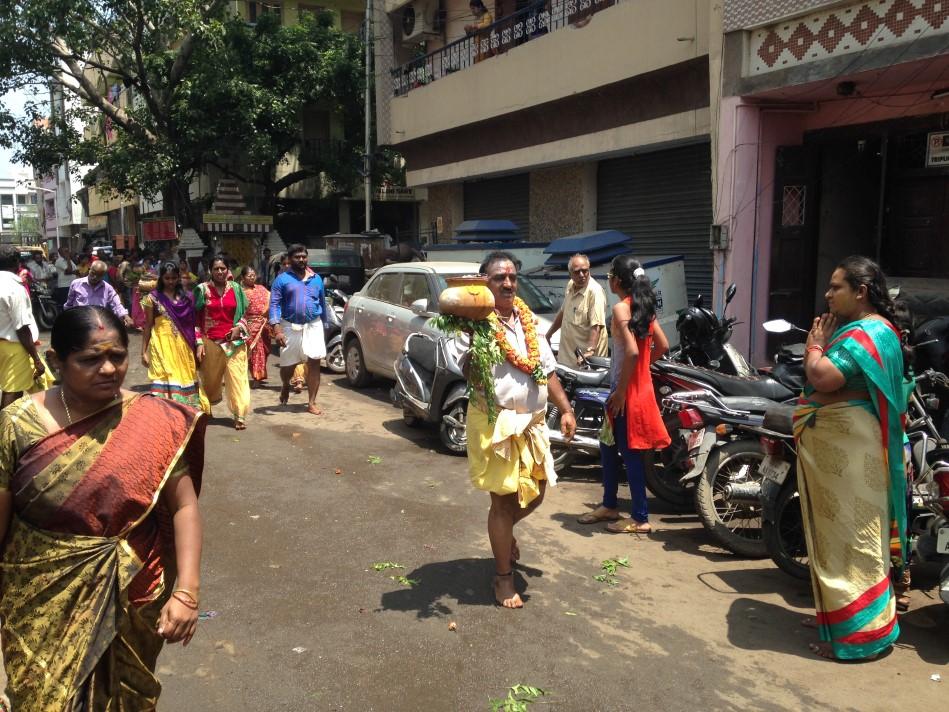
(597, 516)
(239, 424)
(629, 526)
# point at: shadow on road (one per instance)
(758, 582)
(691, 541)
(444, 584)
(755, 625)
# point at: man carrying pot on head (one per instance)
(582, 318)
(510, 457)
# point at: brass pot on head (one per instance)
(467, 297)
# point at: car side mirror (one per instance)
(420, 307)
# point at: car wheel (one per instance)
(453, 430)
(356, 372)
(335, 360)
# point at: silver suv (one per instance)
(398, 300)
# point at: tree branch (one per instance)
(292, 178)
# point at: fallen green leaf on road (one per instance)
(383, 565)
(374, 460)
(609, 567)
(404, 580)
(518, 698)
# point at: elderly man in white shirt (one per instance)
(20, 362)
(510, 457)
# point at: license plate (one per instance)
(771, 468)
(695, 439)
(942, 540)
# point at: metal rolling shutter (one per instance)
(663, 200)
(505, 198)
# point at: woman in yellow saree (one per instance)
(851, 473)
(100, 528)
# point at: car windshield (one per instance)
(536, 301)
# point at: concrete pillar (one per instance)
(345, 223)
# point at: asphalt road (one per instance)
(296, 514)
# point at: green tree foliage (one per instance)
(206, 89)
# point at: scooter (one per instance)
(431, 388)
(336, 301)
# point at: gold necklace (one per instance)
(62, 397)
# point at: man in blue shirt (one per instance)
(297, 313)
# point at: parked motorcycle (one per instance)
(336, 301)
(587, 389)
(724, 456)
(45, 309)
(431, 388)
(704, 338)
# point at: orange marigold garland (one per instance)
(529, 364)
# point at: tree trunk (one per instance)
(177, 201)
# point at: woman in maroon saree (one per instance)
(100, 528)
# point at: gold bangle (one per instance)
(188, 593)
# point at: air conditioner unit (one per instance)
(419, 19)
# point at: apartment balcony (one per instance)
(316, 151)
(545, 52)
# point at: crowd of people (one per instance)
(207, 325)
(99, 484)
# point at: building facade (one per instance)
(19, 217)
(833, 139)
(564, 116)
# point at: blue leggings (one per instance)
(635, 472)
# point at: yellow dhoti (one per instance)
(510, 456)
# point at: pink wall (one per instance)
(749, 136)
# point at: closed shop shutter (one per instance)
(663, 200)
(505, 198)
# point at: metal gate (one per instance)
(663, 200)
(505, 198)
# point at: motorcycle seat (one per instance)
(779, 418)
(599, 362)
(749, 403)
(583, 378)
(727, 385)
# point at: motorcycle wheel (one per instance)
(664, 472)
(452, 429)
(562, 455)
(44, 317)
(735, 527)
(784, 537)
(335, 360)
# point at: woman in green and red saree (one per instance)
(100, 528)
(849, 430)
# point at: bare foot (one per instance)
(809, 622)
(284, 395)
(297, 388)
(314, 410)
(515, 552)
(505, 593)
(825, 650)
(240, 424)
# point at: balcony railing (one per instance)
(315, 151)
(529, 23)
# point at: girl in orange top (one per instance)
(636, 422)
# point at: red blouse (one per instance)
(219, 311)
